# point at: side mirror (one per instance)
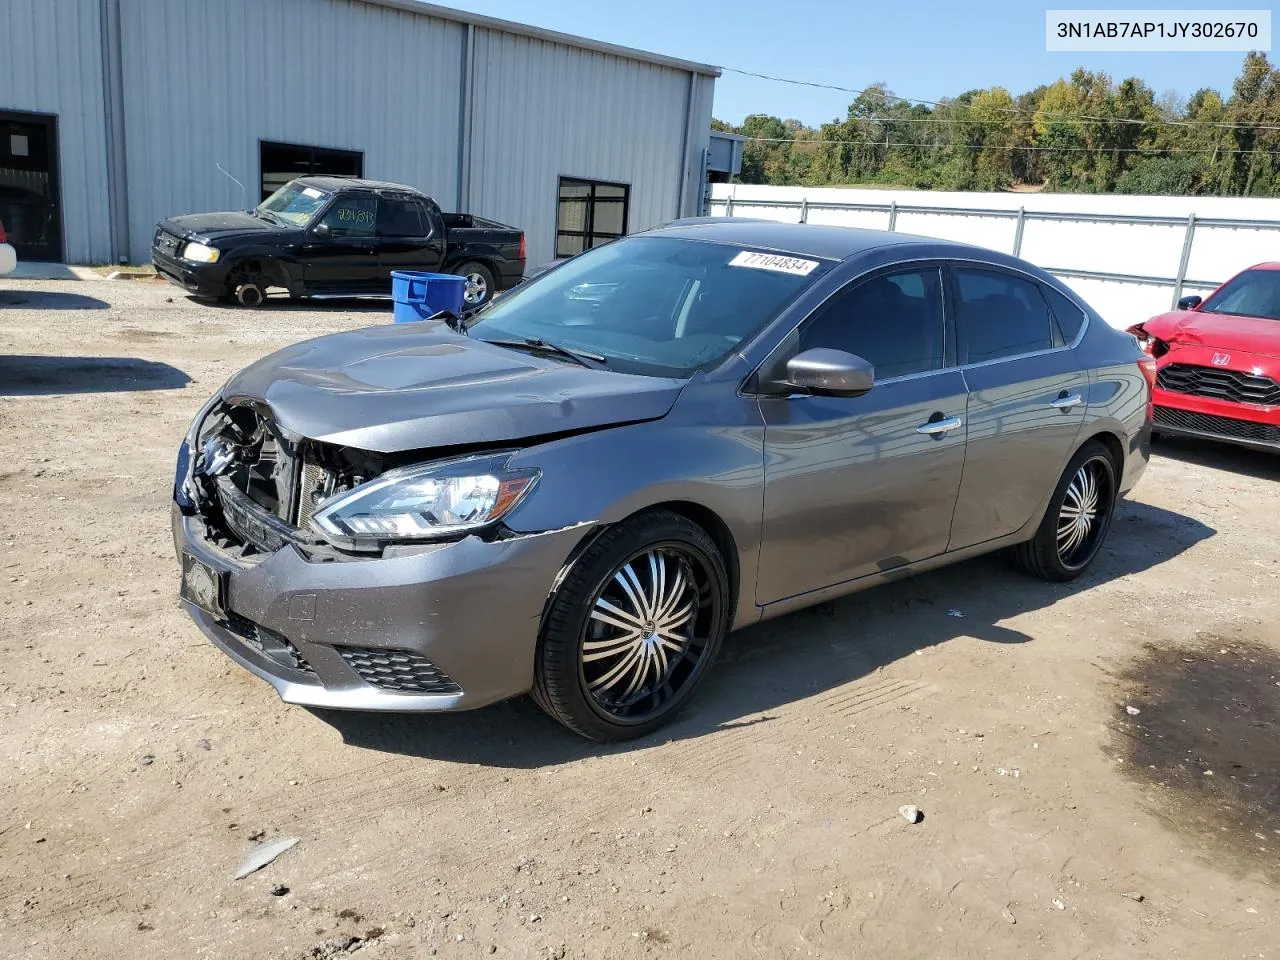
(831, 372)
(1190, 303)
(322, 230)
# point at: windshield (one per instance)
(294, 203)
(1254, 293)
(653, 305)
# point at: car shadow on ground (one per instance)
(796, 657)
(1261, 464)
(25, 376)
(49, 300)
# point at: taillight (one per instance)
(522, 254)
(2, 236)
(1148, 367)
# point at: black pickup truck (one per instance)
(335, 237)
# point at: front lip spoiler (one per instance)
(1217, 437)
(363, 698)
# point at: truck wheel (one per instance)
(480, 284)
(250, 295)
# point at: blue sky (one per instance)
(925, 49)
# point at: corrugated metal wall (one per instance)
(204, 82)
(543, 110)
(51, 62)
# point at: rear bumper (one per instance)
(200, 280)
(8, 259)
(510, 273)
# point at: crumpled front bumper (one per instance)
(472, 608)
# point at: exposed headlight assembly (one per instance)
(200, 253)
(433, 501)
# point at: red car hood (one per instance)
(1225, 331)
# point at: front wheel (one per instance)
(634, 626)
(481, 285)
(1077, 520)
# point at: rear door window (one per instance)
(999, 315)
(401, 217)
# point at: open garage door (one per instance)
(29, 185)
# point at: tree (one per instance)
(1081, 133)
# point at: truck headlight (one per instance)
(428, 502)
(200, 253)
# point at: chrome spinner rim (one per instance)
(477, 288)
(647, 633)
(1083, 516)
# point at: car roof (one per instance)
(331, 184)
(803, 239)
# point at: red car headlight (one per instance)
(1151, 345)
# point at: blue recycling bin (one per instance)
(419, 295)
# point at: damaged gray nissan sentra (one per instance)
(581, 489)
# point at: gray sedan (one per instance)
(580, 490)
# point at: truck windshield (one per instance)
(295, 203)
(659, 306)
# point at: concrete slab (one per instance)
(32, 270)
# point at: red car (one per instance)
(1218, 362)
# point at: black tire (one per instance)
(1047, 555)
(574, 686)
(481, 285)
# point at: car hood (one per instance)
(1227, 331)
(415, 386)
(219, 226)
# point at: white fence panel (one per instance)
(1130, 257)
(994, 232)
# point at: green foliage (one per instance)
(1082, 134)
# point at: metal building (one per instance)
(115, 114)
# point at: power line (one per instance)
(1011, 110)
(979, 146)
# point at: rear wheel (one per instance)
(633, 628)
(481, 285)
(1077, 520)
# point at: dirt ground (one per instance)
(1098, 764)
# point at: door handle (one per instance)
(940, 426)
(1065, 402)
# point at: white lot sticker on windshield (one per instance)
(312, 192)
(774, 262)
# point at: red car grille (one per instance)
(1216, 426)
(1233, 385)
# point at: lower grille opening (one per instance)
(400, 670)
(268, 643)
(1217, 426)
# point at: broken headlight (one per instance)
(428, 502)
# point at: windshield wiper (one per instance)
(268, 215)
(580, 357)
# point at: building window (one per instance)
(282, 162)
(590, 213)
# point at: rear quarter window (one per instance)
(1069, 317)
